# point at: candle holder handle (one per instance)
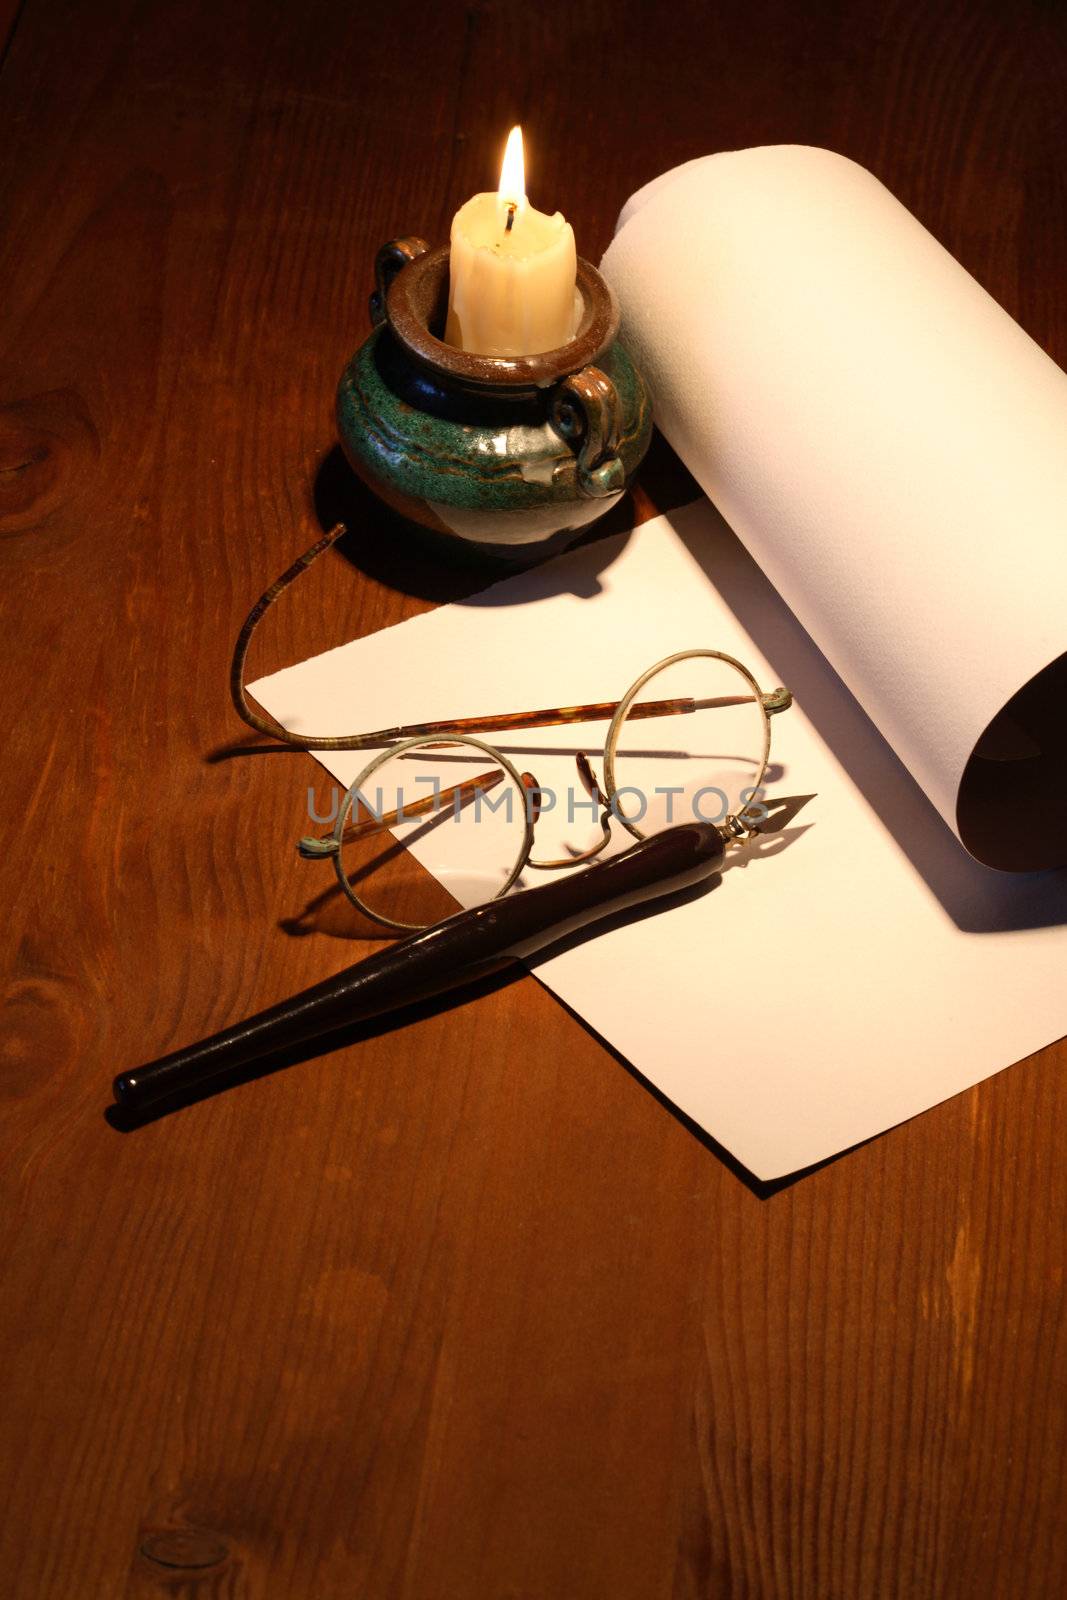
(585, 410)
(387, 263)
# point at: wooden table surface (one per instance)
(459, 1311)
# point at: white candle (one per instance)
(512, 270)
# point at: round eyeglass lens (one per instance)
(431, 828)
(692, 746)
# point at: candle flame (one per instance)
(512, 190)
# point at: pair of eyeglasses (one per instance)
(684, 754)
(441, 817)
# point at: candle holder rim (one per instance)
(416, 290)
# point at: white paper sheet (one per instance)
(887, 442)
(857, 969)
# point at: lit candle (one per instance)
(511, 271)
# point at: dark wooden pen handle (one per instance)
(460, 950)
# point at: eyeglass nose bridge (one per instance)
(592, 788)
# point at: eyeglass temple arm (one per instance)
(597, 711)
(268, 725)
(552, 716)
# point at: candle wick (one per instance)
(511, 216)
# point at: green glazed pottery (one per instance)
(500, 456)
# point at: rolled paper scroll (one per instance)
(891, 447)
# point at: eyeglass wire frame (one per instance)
(402, 739)
(734, 827)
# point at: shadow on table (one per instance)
(978, 899)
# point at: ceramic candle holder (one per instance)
(499, 456)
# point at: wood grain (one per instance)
(460, 1310)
